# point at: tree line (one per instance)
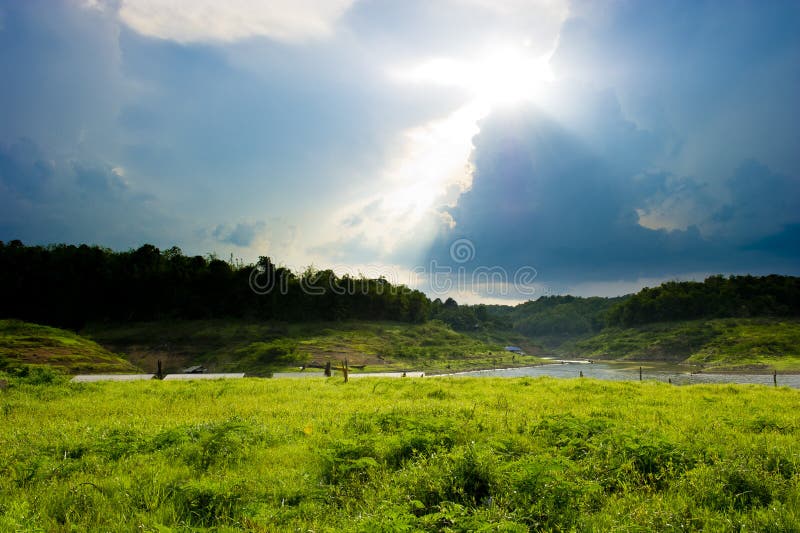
(716, 297)
(69, 286)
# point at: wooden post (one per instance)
(345, 369)
(581, 373)
(327, 369)
(160, 375)
(640, 373)
(775, 377)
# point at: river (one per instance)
(609, 370)
(629, 371)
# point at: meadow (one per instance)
(432, 454)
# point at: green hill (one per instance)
(722, 323)
(261, 347)
(23, 344)
(761, 344)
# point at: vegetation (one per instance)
(752, 344)
(153, 304)
(23, 345)
(259, 348)
(735, 323)
(731, 344)
(716, 297)
(70, 286)
(555, 319)
(436, 454)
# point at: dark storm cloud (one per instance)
(671, 148)
(24, 169)
(44, 199)
(762, 203)
(542, 197)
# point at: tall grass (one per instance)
(439, 454)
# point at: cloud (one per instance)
(762, 203)
(667, 145)
(654, 155)
(24, 169)
(62, 85)
(243, 234)
(100, 180)
(46, 199)
(576, 211)
(718, 79)
(232, 20)
(414, 29)
(218, 131)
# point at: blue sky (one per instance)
(594, 147)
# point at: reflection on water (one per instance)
(630, 372)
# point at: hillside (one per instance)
(553, 320)
(259, 348)
(22, 344)
(722, 323)
(754, 344)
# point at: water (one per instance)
(616, 371)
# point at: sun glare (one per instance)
(431, 166)
(501, 76)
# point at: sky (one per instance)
(490, 150)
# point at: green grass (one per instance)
(433, 454)
(259, 348)
(754, 344)
(23, 344)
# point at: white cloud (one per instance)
(187, 21)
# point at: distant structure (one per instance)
(514, 349)
(195, 370)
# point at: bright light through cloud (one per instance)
(429, 171)
(501, 76)
(435, 159)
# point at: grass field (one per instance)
(730, 344)
(432, 454)
(262, 347)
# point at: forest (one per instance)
(71, 286)
(716, 297)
